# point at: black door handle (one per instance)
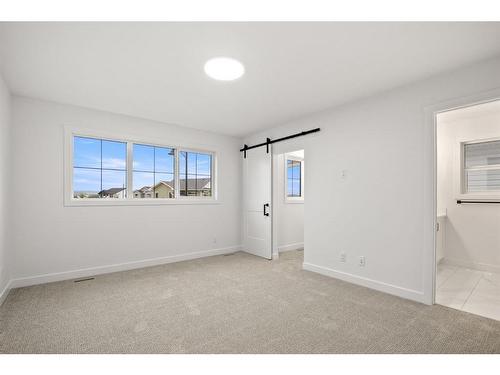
(266, 206)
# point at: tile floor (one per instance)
(476, 292)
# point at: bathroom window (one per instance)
(481, 167)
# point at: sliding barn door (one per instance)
(257, 202)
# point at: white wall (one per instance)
(290, 215)
(472, 230)
(383, 209)
(5, 125)
(50, 239)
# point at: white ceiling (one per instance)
(155, 70)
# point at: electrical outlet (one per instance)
(362, 261)
(215, 240)
(343, 257)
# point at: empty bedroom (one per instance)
(219, 186)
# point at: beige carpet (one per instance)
(231, 304)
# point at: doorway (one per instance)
(289, 191)
(467, 242)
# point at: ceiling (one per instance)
(155, 70)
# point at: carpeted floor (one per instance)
(231, 304)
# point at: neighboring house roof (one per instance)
(169, 184)
(144, 189)
(192, 183)
(111, 191)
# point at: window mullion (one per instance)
(176, 174)
(130, 163)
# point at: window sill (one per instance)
(138, 202)
(295, 201)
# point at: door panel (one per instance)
(257, 194)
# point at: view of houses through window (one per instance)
(294, 176)
(100, 170)
(153, 171)
(195, 174)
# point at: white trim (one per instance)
(93, 271)
(69, 201)
(291, 247)
(5, 292)
(430, 181)
(471, 265)
(413, 295)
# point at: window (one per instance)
(153, 171)
(195, 174)
(293, 178)
(99, 168)
(481, 163)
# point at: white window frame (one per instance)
(463, 193)
(299, 200)
(70, 132)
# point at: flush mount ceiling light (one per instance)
(224, 69)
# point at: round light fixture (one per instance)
(224, 69)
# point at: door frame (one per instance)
(430, 180)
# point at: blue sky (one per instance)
(150, 165)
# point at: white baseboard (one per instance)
(470, 264)
(5, 292)
(410, 294)
(290, 247)
(86, 272)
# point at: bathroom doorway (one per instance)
(468, 209)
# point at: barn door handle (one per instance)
(266, 206)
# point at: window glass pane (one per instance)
(195, 172)
(86, 183)
(296, 170)
(482, 154)
(483, 180)
(143, 158)
(86, 152)
(187, 163)
(164, 159)
(114, 184)
(143, 183)
(296, 188)
(203, 164)
(153, 175)
(294, 177)
(290, 188)
(114, 155)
